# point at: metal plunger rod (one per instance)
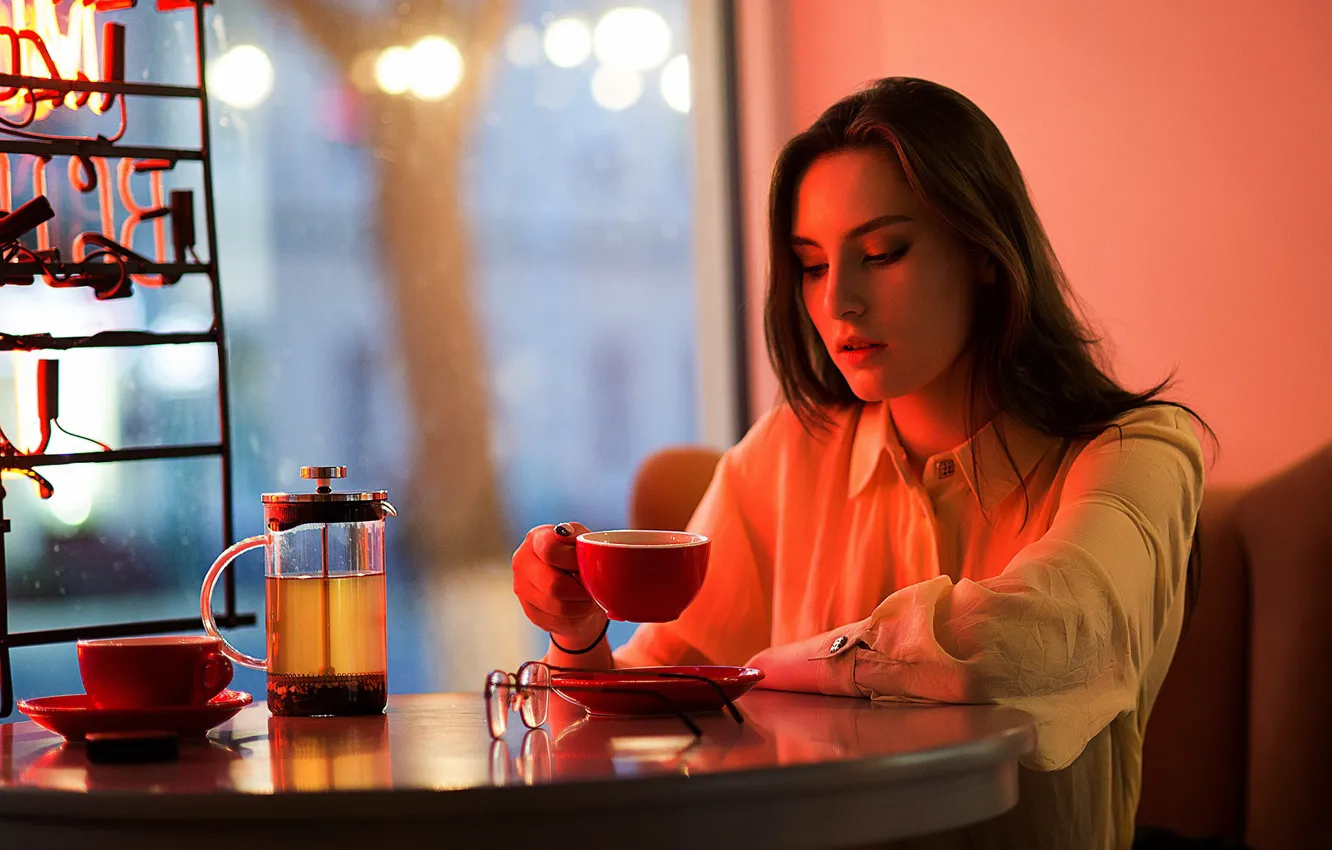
(323, 477)
(326, 668)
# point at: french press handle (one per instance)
(206, 601)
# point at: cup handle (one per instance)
(217, 673)
(206, 602)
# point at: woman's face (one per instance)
(887, 284)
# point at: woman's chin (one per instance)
(870, 388)
(869, 391)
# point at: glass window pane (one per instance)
(456, 257)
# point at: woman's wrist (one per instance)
(582, 642)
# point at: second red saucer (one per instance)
(72, 716)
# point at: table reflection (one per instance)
(203, 766)
(314, 754)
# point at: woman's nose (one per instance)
(845, 294)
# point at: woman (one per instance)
(954, 503)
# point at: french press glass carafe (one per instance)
(324, 596)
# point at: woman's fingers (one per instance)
(570, 608)
(545, 581)
(557, 585)
(554, 544)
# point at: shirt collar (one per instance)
(876, 437)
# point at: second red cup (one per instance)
(153, 672)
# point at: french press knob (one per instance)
(323, 475)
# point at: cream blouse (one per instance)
(1064, 599)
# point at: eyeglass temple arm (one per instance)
(730, 706)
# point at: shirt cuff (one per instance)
(835, 654)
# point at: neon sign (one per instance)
(88, 175)
(33, 44)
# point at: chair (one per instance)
(668, 486)
(1193, 773)
(1240, 740)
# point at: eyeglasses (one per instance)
(528, 693)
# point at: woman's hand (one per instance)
(545, 580)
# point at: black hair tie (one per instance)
(586, 649)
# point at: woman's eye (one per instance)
(813, 271)
(886, 259)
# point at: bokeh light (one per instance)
(631, 38)
(616, 89)
(242, 77)
(72, 502)
(567, 42)
(436, 67)
(180, 370)
(522, 46)
(393, 70)
(675, 86)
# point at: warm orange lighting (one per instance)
(28, 433)
(33, 44)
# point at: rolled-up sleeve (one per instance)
(730, 619)
(1068, 628)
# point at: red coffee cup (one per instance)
(642, 576)
(152, 672)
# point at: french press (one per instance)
(325, 599)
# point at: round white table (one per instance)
(802, 771)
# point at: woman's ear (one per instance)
(983, 262)
(988, 268)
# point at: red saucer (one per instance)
(72, 716)
(588, 689)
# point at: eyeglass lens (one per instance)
(533, 693)
(499, 693)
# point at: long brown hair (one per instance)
(1034, 358)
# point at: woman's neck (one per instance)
(934, 419)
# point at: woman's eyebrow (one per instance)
(859, 230)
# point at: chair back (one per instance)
(1239, 742)
(1286, 526)
(1194, 756)
(669, 485)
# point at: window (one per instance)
(457, 255)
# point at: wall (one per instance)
(1177, 154)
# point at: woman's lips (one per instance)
(861, 354)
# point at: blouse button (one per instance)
(838, 644)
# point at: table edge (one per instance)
(993, 753)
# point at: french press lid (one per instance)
(288, 510)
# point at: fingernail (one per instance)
(564, 530)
